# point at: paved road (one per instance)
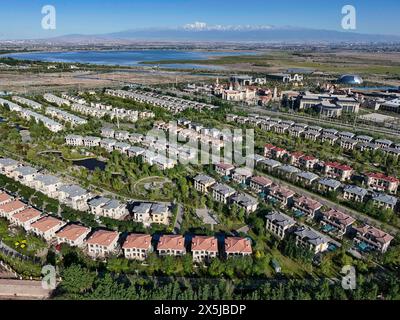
(22, 289)
(355, 214)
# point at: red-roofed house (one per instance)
(171, 245)
(308, 162)
(25, 218)
(373, 237)
(260, 184)
(10, 208)
(267, 149)
(137, 246)
(204, 248)
(224, 169)
(307, 206)
(295, 158)
(47, 227)
(73, 234)
(283, 195)
(4, 198)
(278, 153)
(235, 246)
(381, 182)
(102, 243)
(336, 170)
(337, 219)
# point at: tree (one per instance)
(77, 279)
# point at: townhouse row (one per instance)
(172, 104)
(366, 238)
(336, 174)
(80, 199)
(186, 130)
(346, 140)
(29, 114)
(153, 152)
(334, 222)
(65, 116)
(103, 243)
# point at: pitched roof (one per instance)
(263, 181)
(27, 215)
(174, 242)
(12, 206)
(140, 241)
(45, 224)
(339, 216)
(103, 237)
(381, 176)
(205, 243)
(236, 244)
(280, 219)
(72, 232)
(378, 235)
(4, 197)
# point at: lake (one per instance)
(128, 57)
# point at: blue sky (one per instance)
(22, 18)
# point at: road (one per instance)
(328, 203)
(296, 117)
(22, 289)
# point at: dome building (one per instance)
(350, 79)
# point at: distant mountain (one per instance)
(200, 31)
(250, 34)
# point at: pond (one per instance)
(91, 164)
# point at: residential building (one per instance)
(241, 175)
(7, 210)
(385, 201)
(47, 227)
(308, 162)
(372, 238)
(381, 182)
(74, 140)
(7, 166)
(73, 235)
(74, 196)
(102, 243)
(280, 194)
(354, 193)
(224, 169)
(311, 240)
(202, 183)
(235, 246)
(47, 184)
(171, 245)
(25, 218)
(306, 177)
(260, 184)
(279, 223)
(306, 206)
(336, 221)
(204, 248)
(244, 201)
(328, 185)
(137, 246)
(222, 192)
(337, 170)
